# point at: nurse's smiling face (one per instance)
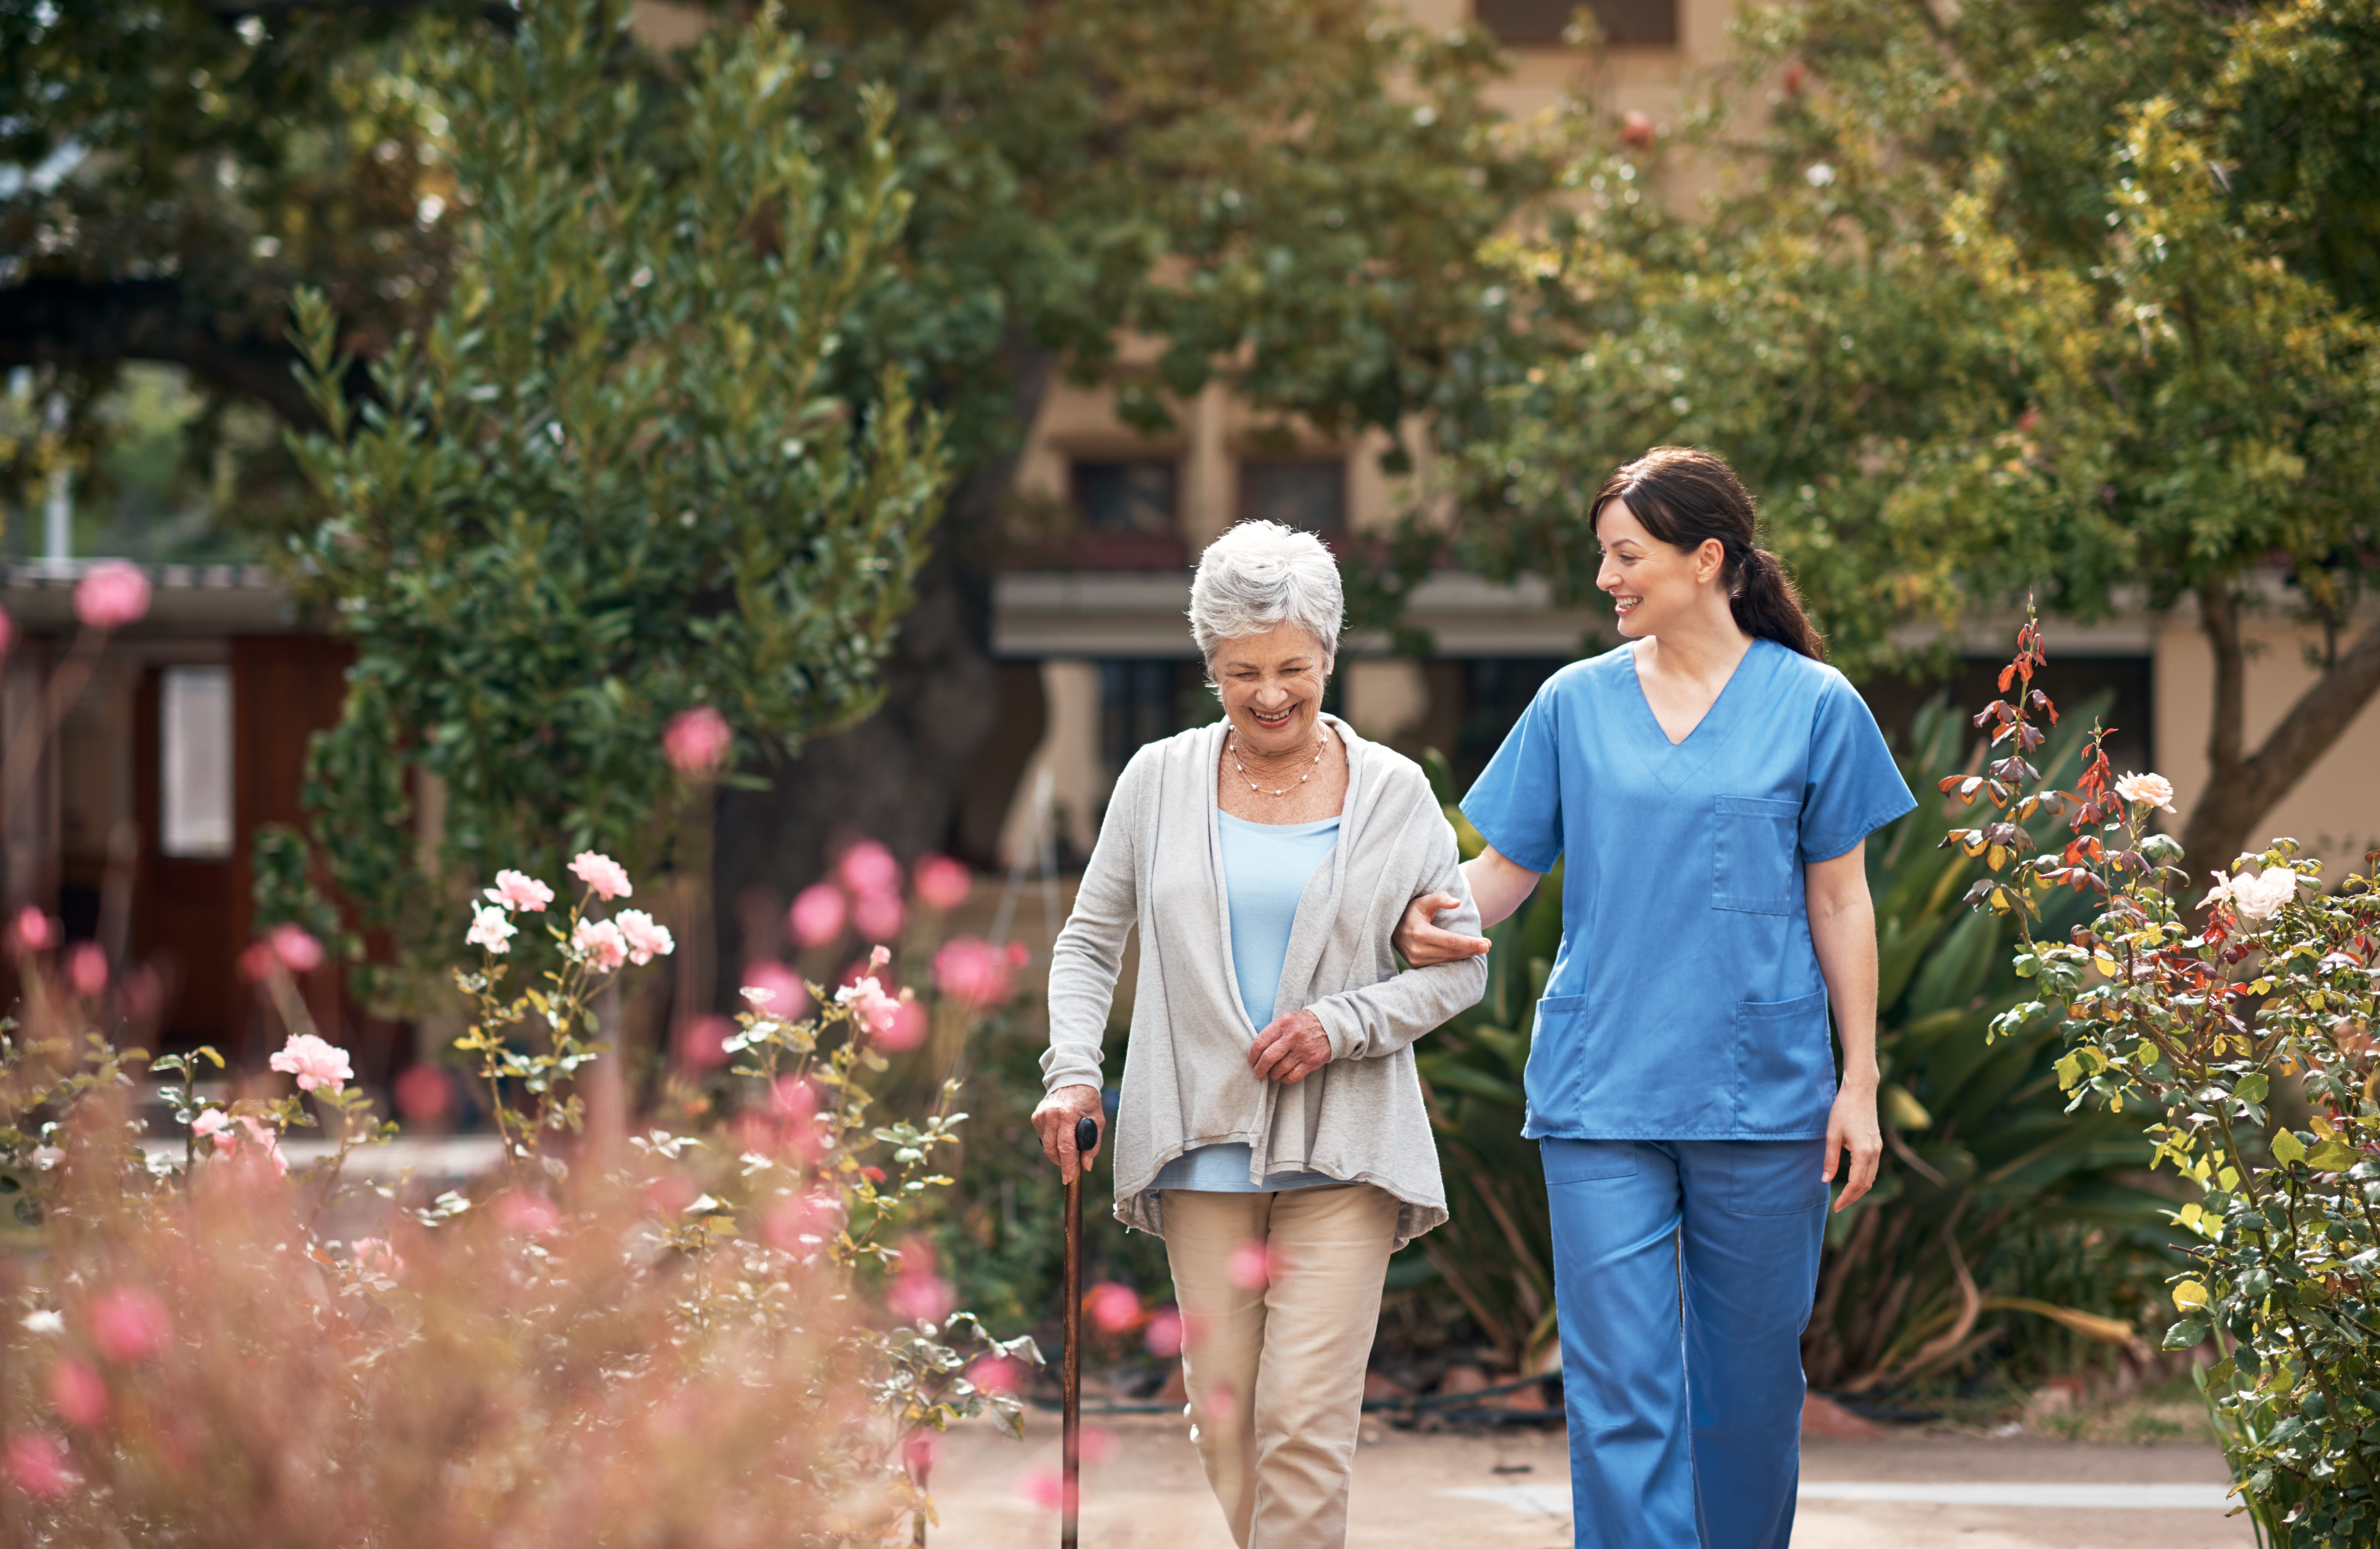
(1271, 686)
(1655, 586)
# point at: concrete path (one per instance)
(1511, 1491)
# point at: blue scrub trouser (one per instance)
(1684, 1437)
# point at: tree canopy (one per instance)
(607, 483)
(1999, 298)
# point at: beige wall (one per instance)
(2335, 810)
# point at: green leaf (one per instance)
(2287, 1148)
(2332, 1155)
(2185, 1335)
(2251, 1087)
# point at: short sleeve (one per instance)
(1516, 803)
(1854, 786)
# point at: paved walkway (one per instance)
(1511, 1491)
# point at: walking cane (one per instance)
(1070, 1423)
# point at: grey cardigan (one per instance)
(1159, 863)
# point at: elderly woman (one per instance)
(1271, 1128)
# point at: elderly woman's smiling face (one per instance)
(1271, 686)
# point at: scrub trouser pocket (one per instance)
(1684, 1433)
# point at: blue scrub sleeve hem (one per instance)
(1488, 830)
(1829, 850)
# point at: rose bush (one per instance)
(714, 1336)
(2214, 1010)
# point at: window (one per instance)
(1140, 701)
(1308, 494)
(1541, 23)
(194, 711)
(1126, 495)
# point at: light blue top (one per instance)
(1265, 867)
(1686, 1003)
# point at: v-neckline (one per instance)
(1675, 762)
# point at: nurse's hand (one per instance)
(1055, 1121)
(1421, 943)
(1291, 1047)
(1851, 1128)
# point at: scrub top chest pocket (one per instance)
(1754, 842)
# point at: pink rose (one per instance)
(702, 1043)
(87, 968)
(7, 632)
(907, 1029)
(879, 916)
(877, 1011)
(516, 890)
(774, 986)
(606, 875)
(530, 1214)
(996, 1373)
(129, 1323)
(1163, 1337)
(817, 914)
(298, 952)
(37, 1465)
(645, 940)
(35, 931)
(1114, 1307)
(375, 1257)
(77, 1395)
(423, 1093)
(920, 1298)
(262, 1137)
(1250, 1267)
(111, 594)
(697, 740)
(970, 969)
(599, 942)
(315, 1063)
(867, 868)
(942, 882)
(215, 1125)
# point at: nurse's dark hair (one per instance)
(1685, 496)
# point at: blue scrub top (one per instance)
(1686, 1003)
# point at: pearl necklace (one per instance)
(1322, 742)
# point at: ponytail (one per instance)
(1767, 606)
(1685, 497)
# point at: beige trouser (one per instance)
(1275, 1371)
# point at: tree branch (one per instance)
(55, 319)
(2241, 789)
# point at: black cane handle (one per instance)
(1087, 1135)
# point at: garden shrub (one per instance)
(2198, 1012)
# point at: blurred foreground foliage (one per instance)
(711, 1335)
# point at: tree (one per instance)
(173, 170)
(607, 484)
(1289, 195)
(2012, 297)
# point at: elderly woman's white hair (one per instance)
(1259, 575)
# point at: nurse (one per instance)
(1710, 782)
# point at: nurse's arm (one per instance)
(1497, 887)
(1842, 928)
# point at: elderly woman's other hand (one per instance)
(1292, 1048)
(1055, 1121)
